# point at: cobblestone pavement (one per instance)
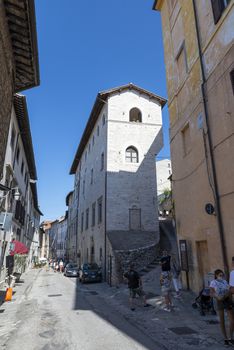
(182, 329)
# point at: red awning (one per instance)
(18, 247)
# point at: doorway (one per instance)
(203, 261)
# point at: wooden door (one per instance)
(203, 261)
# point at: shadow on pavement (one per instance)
(89, 300)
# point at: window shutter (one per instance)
(232, 80)
(217, 7)
(17, 210)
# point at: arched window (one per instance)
(135, 115)
(131, 155)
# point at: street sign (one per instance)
(5, 221)
(183, 255)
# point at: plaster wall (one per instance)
(132, 185)
(88, 193)
(192, 175)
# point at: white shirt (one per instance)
(231, 279)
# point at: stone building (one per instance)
(115, 180)
(53, 234)
(72, 220)
(163, 172)
(61, 237)
(163, 175)
(198, 40)
(18, 60)
(44, 239)
(19, 176)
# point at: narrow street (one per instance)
(57, 313)
(49, 311)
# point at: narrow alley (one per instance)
(50, 311)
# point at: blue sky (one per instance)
(86, 46)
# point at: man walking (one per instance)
(135, 286)
(165, 262)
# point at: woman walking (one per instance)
(220, 290)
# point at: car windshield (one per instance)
(90, 267)
(72, 266)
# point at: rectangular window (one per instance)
(232, 80)
(22, 167)
(93, 213)
(98, 130)
(83, 187)
(186, 139)
(182, 67)
(82, 222)
(87, 219)
(12, 137)
(25, 178)
(100, 210)
(91, 180)
(93, 140)
(135, 219)
(103, 119)
(17, 154)
(102, 161)
(218, 6)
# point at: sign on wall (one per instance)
(183, 255)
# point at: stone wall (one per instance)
(140, 257)
(6, 84)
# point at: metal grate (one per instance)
(182, 330)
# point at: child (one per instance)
(165, 281)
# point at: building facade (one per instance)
(53, 235)
(61, 237)
(19, 176)
(72, 223)
(44, 243)
(163, 173)
(115, 180)
(198, 40)
(18, 60)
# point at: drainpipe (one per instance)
(213, 168)
(105, 240)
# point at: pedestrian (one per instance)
(165, 261)
(220, 290)
(231, 279)
(176, 270)
(135, 286)
(61, 266)
(165, 281)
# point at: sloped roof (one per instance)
(20, 16)
(97, 107)
(21, 111)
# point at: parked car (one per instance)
(71, 270)
(90, 273)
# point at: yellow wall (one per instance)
(191, 183)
